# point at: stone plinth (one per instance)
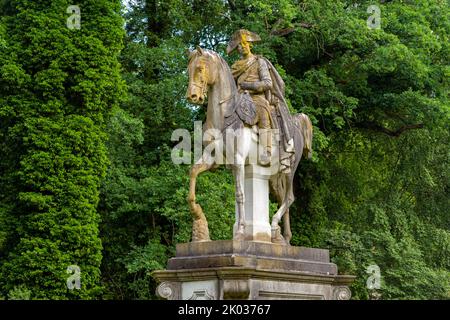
(256, 190)
(250, 270)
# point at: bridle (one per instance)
(203, 87)
(204, 83)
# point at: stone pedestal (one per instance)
(250, 270)
(256, 190)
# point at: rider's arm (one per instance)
(264, 74)
(264, 84)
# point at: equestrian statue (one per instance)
(248, 101)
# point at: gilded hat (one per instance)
(237, 37)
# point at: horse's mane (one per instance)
(224, 65)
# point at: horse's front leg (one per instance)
(200, 231)
(238, 172)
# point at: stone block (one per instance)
(251, 270)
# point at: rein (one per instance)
(203, 86)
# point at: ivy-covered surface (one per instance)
(58, 86)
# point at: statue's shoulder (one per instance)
(262, 59)
(276, 78)
(264, 63)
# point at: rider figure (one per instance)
(252, 75)
(256, 75)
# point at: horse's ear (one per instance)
(190, 54)
(200, 50)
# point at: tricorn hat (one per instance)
(237, 37)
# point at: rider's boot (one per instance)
(266, 143)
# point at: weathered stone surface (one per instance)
(252, 261)
(264, 256)
(251, 270)
(270, 250)
(253, 284)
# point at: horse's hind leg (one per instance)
(278, 189)
(276, 230)
(282, 211)
(200, 231)
(287, 234)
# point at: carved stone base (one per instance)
(250, 270)
(256, 190)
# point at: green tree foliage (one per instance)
(376, 190)
(57, 86)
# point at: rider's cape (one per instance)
(285, 123)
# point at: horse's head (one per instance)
(201, 74)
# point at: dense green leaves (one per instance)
(376, 192)
(57, 88)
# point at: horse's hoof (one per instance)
(279, 241)
(239, 235)
(277, 237)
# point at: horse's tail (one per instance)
(306, 128)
